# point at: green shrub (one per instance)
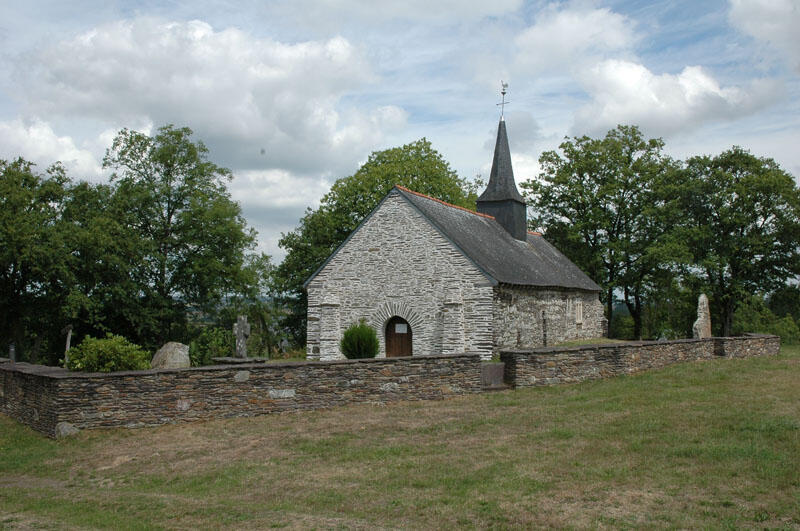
(621, 326)
(753, 315)
(359, 341)
(112, 353)
(211, 342)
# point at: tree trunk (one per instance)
(727, 316)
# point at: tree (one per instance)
(742, 224)
(34, 277)
(607, 204)
(191, 239)
(416, 165)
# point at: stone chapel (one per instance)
(435, 278)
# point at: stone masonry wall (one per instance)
(41, 397)
(382, 272)
(548, 366)
(530, 317)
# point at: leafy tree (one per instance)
(190, 237)
(786, 301)
(260, 307)
(608, 204)
(211, 342)
(33, 272)
(742, 224)
(103, 296)
(416, 165)
(753, 315)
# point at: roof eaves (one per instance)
(554, 288)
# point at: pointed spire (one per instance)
(501, 180)
(501, 199)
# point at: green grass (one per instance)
(712, 444)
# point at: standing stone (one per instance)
(241, 330)
(67, 330)
(173, 355)
(702, 327)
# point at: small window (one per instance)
(578, 311)
(400, 328)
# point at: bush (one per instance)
(112, 353)
(621, 326)
(212, 342)
(359, 341)
(753, 315)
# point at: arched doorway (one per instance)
(398, 337)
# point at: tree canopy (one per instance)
(191, 239)
(416, 165)
(606, 204)
(655, 232)
(136, 257)
(742, 227)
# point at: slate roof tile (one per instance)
(534, 262)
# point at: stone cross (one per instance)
(702, 327)
(241, 330)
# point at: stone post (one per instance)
(453, 323)
(241, 331)
(329, 328)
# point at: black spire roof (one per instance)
(501, 180)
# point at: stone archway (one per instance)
(388, 310)
(398, 338)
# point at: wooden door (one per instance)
(398, 338)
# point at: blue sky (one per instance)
(291, 95)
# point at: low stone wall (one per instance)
(548, 366)
(42, 397)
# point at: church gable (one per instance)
(397, 264)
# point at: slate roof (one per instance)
(499, 255)
(501, 184)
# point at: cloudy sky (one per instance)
(292, 94)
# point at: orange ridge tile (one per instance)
(487, 216)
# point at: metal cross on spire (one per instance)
(503, 103)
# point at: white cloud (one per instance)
(37, 142)
(566, 37)
(240, 94)
(774, 21)
(628, 93)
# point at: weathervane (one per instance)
(503, 103)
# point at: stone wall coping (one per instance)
(5, 360)
(60, 373)
(628, 344)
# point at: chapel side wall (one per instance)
(398, 264)
(526, 317)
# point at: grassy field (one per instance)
(701, 445)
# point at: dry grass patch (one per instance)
(707, 444)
